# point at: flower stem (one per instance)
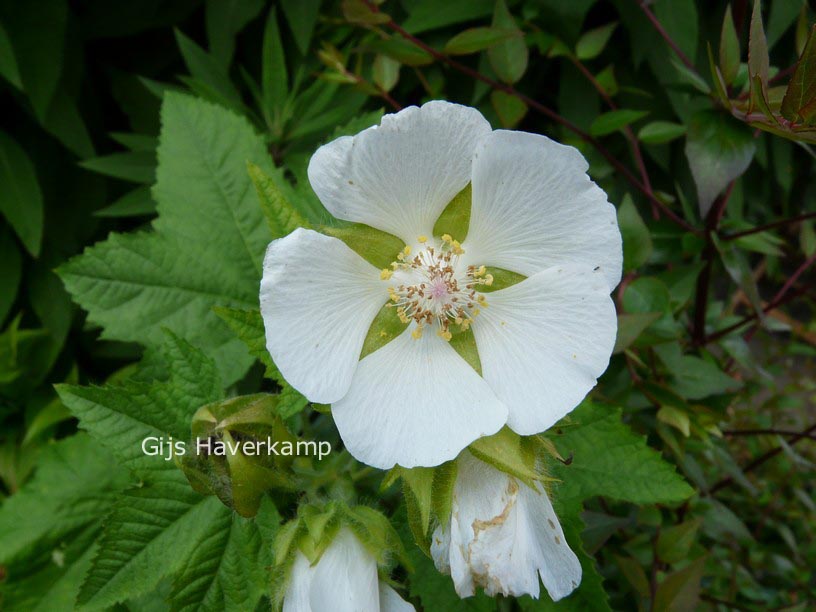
(770, 226)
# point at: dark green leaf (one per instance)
(659, 132)
(473, 40)
(301, 15)
(21, 200)
(508, 58)
(801, 90)
(615, 120)
(637, 242)
(592, 43)
(729, 48)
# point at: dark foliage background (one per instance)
(689, 127)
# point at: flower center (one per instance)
(432, 290)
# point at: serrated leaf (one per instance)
(227, 569)
(626, 470)
(719, 149)
(281, 216)
(729, 48)
(120, 417)
(509, 58)
(615, 120)
(21, 201)
(659, 132)
(73, 487)
(801, 90)
(592, 43)
(134, 203)
(150, 534)
(206, 246)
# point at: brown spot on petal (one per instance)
(552, 525)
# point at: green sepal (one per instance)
(464, 343)
(502, 279)
(455, 219)
(384, 328)
(281, 216)
(238, 480)
(506, 452)
(377, 247)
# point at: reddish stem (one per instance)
(769, 226)
(665, 35)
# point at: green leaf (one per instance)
(510, 109)
(133, 166)
(274, 80)
(10, 272)
(693, 377)
(801, 90)
(592, 43)
(674, 543)
(646, 295)
(637, 242)
(385, 71)
(227, 571)
(455, 218)
(136, 203)
(719, 149)
(659, 132)
(614, 121)
(626, 470)
(681, 589)
(508, 58)
(151, 533)
(676, 418)
(301, 15)
(205, 69)
(431, 14)
(680, 20)
(630, 326)
(121, 416)
(21, 200)
(739, 269)
(729, 48)
(224, 20)
(73, 487)
(8, 63)
(757, 47)
(782, 16)
(206, 246)
(402, 51)
(474, 40)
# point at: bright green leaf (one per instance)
(592, 43)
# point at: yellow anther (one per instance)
(464, 325)
(385, 274)
(401, 255)
(417, 333)
(422, 239)
(482, 301)
(475, 313)
(444, 334)
(481, 271)
(394, 297)
(447, 238)
(456, 247)
(394, 265)
(407, 250)
(458, 320)
(489, 280)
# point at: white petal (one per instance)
(415, 403)
(400, 175)
(318, 299)
(544, 342)
(440, 548)
(345, 578)
(534, 207)
(300, 580)
(558, 566)
(390, 601)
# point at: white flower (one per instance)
(542, 342)
(502, 536)
(343, 580)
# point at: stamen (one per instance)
(434, 288)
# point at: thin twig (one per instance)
(764, 432)
(665, 35)
(540, 108)
(729, 480)
(769, 226)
